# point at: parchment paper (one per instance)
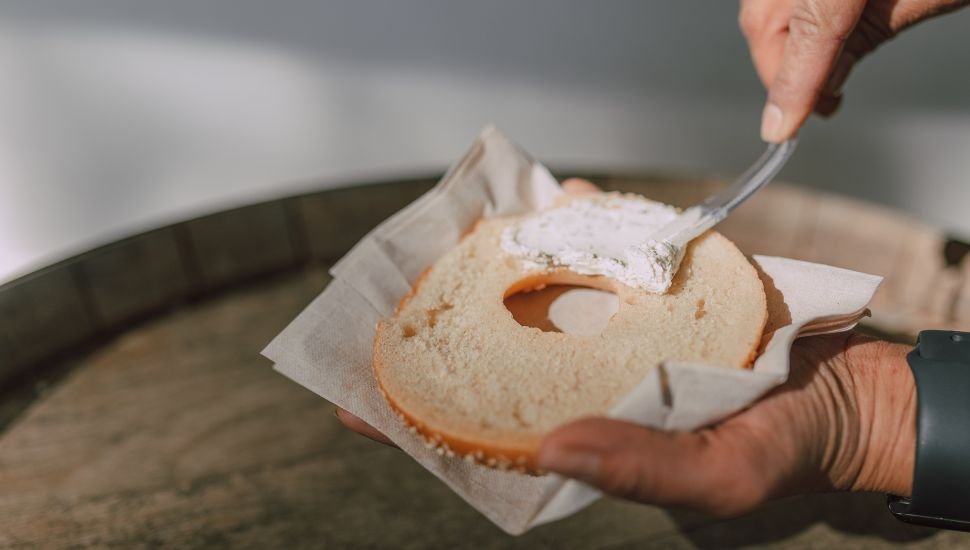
(327, 348)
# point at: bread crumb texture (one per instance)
(457, 366)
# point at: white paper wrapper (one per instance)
(327, 348)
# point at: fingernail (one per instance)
(575, 463)
(771, 120)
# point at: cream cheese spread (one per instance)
(606, 234)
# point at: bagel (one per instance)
(464, 374)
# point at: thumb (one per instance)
(692, 469)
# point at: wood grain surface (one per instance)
(178, 434)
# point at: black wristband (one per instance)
(941, 476)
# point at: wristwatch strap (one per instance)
(941, 477)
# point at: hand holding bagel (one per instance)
(845, 420)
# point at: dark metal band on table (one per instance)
(79, 302)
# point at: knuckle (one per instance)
(805, 20)
(735, 495)
(739, 487)
(624, 478)
(821, 20)
(750, 21)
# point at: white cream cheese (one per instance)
(607, 234)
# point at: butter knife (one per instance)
(697, 219)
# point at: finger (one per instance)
(764, 24)
(840, 71)
(666, 468)
(878, 25)
(577, 186)
(903, 15)
(828, 103)
(363, 428)
(817, 32)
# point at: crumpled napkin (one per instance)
(327, 348)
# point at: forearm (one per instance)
(880, 455)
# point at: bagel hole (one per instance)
(570, 309)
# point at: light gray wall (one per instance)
(118, 116)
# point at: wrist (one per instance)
(882, 457)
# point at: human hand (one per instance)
(804, 50)
(844, 420)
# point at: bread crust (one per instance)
(521, 458)
(519, 455)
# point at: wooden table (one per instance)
(175, 432)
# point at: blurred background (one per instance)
(135, 407)
(122, 116)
